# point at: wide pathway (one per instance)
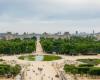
(39, 49)
(39, 70)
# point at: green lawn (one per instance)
(46, 58)
(90, 61)
(51, 58)
(29, 57)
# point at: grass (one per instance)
(46, 57)
(90, 61)
(29, 57)
(51, 58)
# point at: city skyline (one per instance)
(49, 16)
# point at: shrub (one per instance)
(95, 71)
(83, 70)
(86, 65)
(7, 69)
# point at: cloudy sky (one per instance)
(49, 15)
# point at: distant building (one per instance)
(2, 35)
(25, 35)
(81, 34)
(7, 36)
(97, 35)
(56, 35)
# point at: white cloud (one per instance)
(49, 15)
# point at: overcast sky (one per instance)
(49, 15)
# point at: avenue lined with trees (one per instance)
(72, 46)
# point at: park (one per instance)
(50, 59)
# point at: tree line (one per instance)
(73, 46)
(17, 46)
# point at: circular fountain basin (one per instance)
(40, 57)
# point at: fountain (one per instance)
(39, 58)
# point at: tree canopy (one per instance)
(17, 46)
(72, 46)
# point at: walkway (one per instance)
(38, 70)
(39, 49)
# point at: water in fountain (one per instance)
(39, 58)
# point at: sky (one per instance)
(49, 16)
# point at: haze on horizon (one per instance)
(49, 15)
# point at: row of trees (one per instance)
(9, 71)
(83, 69)
(72, 46)
(17, 46)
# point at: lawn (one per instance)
(29, 57)
(51, 58)
(90, 61)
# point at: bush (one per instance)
(70, 68)
(16, 69)
(86, 65)
(95, 71)
(9, 70)
(83, 70)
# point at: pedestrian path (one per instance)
(39, 49)
(40, 70)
